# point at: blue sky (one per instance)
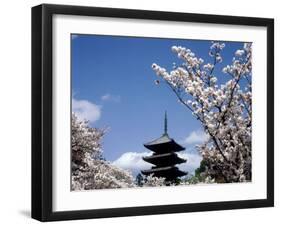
(113, 85)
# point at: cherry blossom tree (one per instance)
(223, 109)
(89, 169)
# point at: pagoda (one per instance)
(164, 157)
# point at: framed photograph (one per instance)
(145, 112)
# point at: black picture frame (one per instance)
(42, 112)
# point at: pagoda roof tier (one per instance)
(164, 144)
(166, 159)
(167, 172)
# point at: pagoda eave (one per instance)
(164, 159)
(167, 172)
(165, 147)
(164, 144)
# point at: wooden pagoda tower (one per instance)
(164, 157)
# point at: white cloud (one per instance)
(192, 163)
(85, 109)
(105, 96)
(196, 137)
(133, 162)
(110, 97)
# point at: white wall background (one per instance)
(15, 93)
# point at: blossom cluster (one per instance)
(152, 181)
(99, 174)
(89, 169)
(84, 139)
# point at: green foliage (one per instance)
(201, 168)
(198, 176)
(139, 180)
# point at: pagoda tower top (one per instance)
(164, 143)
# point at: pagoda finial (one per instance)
(165, 124)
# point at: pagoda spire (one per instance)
(165, 124)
